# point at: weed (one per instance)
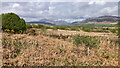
(85, 40)
(65, 61)
(87, 29)
(113, 30)
(104, 55)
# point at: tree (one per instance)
(12, 21)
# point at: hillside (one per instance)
(110, 19)
(49, 22)
(38, 22)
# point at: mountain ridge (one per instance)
(99, 19)
(95, 20)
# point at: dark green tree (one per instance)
(12, 21)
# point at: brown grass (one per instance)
(55, 48)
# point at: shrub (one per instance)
(12, 21)
(113, 30)
(31, 31)
(35, 26)
(85, 40)
(107, 28)
(74, 28)
(62, 28)
(55, 27)
(28, 25)
(43, 28)
(40, 26)
(87, 29)
(48, 27)
(103, 28)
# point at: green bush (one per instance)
(40, 26)
(74, 28)
(43, 28)
(12, 21)
(48, 27)
(35, 26)
(113, 30)
(55, 28)
(28, 25)
(87, 29)
(63, 28)
(60, 27)
(85, 40)
(103, 28)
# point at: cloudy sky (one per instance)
(34, 11)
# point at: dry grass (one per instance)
(55, 48)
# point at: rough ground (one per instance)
(58, 52)
(0, 49)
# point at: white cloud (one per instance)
(91, 2)
(109, 10)
(51, 8)
(59, 10)
(41, 12)
(87, 16)
(54, 0)
(98, 2)
(15, 5)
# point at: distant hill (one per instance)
(99, 19)
(49, 22)
(38, 22)
(96, 20)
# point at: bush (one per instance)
(31, 31)
(74, 28)
(62, 28)
(43, 28)
(35, 26)
(12, 21)
(87, 29)
(55, 28)
(48, 27)
(28, 25)
(40, 26)
(113, 30)
(85, 40)
(103, 28)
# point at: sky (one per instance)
(35, 11)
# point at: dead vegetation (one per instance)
(56, 48)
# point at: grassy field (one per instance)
(81, 45)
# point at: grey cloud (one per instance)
(58, 10)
